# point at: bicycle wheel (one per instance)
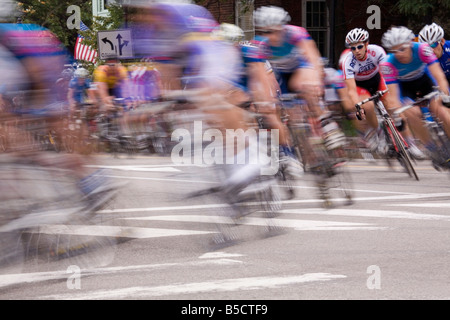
(400, 150)
(440, 160)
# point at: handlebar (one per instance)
(376, 96)
(425, 98)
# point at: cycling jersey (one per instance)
(112, 76)
(43, 57)
(287, 57)
(79, 89)
(362, 70)
(144, 83)
(250, 54)
(413, 77)
(422, 56)
(444, 60)
(208, 60)
(333, 81)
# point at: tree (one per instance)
(421, 12)
(53, 14)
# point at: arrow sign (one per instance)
(121, 45)
(105, 40)
(115, 44)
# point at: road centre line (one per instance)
(19, 278)
(223, 205)
(224, 285)
(367, 213)
(303, 225)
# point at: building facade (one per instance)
(327, 21)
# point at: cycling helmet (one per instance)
(81, 73)
(431, 33)
(396, 36)
(356, 35)
(229, 32)
(67, 73)
(270, 16)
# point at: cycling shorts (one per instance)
(417, 88)
(372, 85)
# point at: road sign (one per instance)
(115, 44)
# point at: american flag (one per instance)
(84, 52)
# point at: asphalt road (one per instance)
(392, 242)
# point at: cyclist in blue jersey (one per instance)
(433, 34)
(79, 89)
(255, 88)
(297, 63)
(411, 70)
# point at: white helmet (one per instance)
(229, 32)
(81, 73)
(270, 16)
(431, 33)
(356, 35)
(396, 36)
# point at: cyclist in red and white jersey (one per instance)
(361, 68)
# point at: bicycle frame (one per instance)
(395, 138)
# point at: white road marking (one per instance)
(225, 285)
(141, 168)
(368, 213)
(219, 254)
(423, 205)
(13, 279)
(117, 231)
(286, 223)
(222, 205)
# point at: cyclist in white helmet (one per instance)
(297, 62)
(411, 70)
(255, 88)
(433, 34)
(361, 69)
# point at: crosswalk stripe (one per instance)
(367, 213)
(117, 231)
(224, 285)
(253, 221)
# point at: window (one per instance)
(98, 8)
(315, 20)
(244, 17)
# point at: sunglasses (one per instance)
(434, 45)
(269, 31)
(401, 49)
(359, 47)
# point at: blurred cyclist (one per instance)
(255, 87)
(361, 69)
(297, 63)
(79, 91)
(411, 71)
(433, 34)
(111, 80)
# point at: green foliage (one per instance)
(53, 15)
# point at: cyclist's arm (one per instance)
(346, 102)
(437, 73)
(352, 91)
(102, 89)
(70, 98)
(392, 99)
(260, 82)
